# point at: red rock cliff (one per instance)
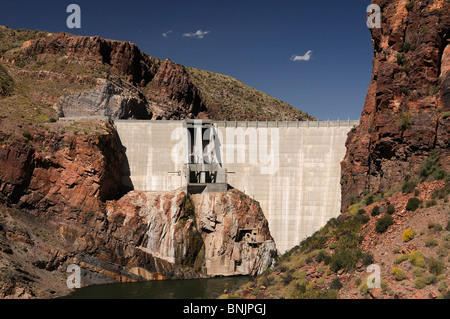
(406, 113)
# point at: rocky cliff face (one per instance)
(406, 113)
(62, 203)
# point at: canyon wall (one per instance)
(406, 112)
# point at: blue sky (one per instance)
(251, 40)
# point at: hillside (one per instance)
(66, 75)
(410, 243)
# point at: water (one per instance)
(168, 289)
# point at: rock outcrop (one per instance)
(406, 113)
(116, 102)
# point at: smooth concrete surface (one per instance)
(291, 168)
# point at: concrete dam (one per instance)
(291, 168)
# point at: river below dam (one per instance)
(209, 288)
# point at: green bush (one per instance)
(323, 256)
(27, 135)
(431, 242)
(367, 259)
(383, 223)
(409, 186)
(405, 119)
(416, 258)
(375, 211)
(345, 259)
(420, 283)
(390, 209)
(361, 218)
(401, 60)
(6, 82)
(401, 258)
(409, 6)
(336, 284)
(430, 167)
(369, 200)
(413, 204)
(436, 266)
(399, 274)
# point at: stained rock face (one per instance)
(236, 234)
(106, 100)
(405, 115)
(218, 240)
(177, 97)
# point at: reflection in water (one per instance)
(168, 289)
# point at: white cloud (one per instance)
(166, 34)
(305, 57)
(199, 34)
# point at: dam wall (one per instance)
(291, 168)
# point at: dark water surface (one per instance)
(168, 289)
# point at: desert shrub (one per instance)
(405, 119)
(442, 286)
(363, 289)
(431, 242)
(401, 258)
(361, 218)
(27, 135)
(431, 203)
(416, 258)
(417, 272)
(409, 186)
(399, 274)
(401, 60)
(409, 6)
(367, 259)
(323, 256)
(287, 278)
(430, 167)
(390, 209)
(408, 235)
(369, 200)
(375, 211)
(336, 284)
(436, 266)
(344, 259)
(448, 226)
(413, 204)
(52, 120)
(6, 82)
(383, 223)
(420, 283)
(430, 279)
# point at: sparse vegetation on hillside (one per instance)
(231, 99)
(418, 258)
(12, 39)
